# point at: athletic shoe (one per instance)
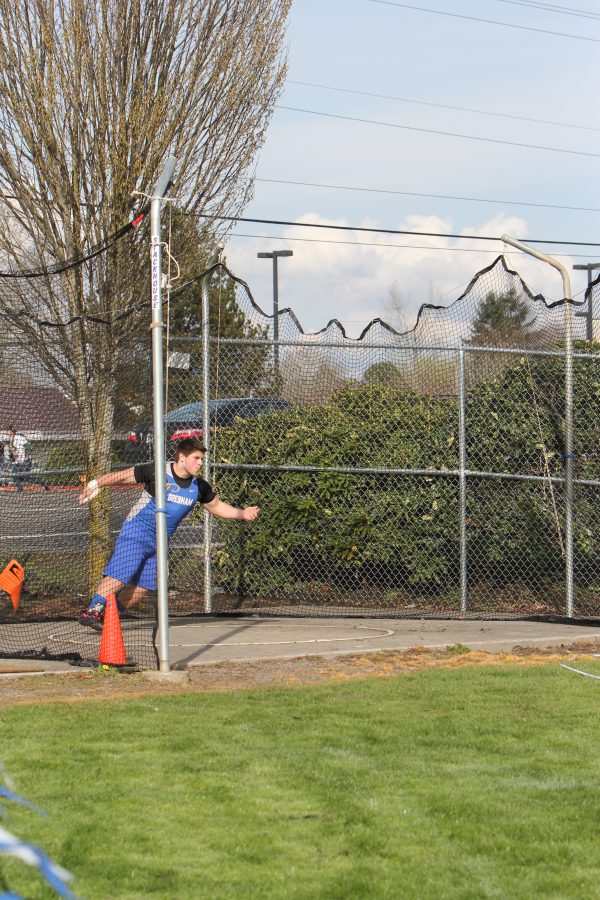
(91, 619)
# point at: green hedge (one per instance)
(403, 531)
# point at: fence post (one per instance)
(462, 466)
(207, 518)
(568, 461)
(157, 327)
(569, 456)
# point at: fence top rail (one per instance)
(339, 345)
(434, 473)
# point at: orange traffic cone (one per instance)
(112, 647)
(11, 580)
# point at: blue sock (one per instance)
(98, 604)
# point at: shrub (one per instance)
(393, 529)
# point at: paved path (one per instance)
(211, 640)
(197, 642)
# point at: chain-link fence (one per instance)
(417, 474)
(402, 474)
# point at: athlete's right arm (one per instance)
(92, 488)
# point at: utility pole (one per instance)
(588, 314)
(274, 255)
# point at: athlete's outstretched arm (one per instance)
(225, 511)
(125, 476)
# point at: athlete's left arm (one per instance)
(219, 508)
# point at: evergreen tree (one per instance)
(385, 375)
(502, 321)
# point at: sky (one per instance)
(341, 53)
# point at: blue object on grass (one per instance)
(55, 875)
(9, 795)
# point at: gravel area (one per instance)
(111, 685)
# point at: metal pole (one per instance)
(275, 316)
(162, 581)
(207, 518)
(442, 348)
(462, 450)
(274, 255)
(588, 315)
(429, 473)
(568, 466)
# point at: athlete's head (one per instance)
(189, 454)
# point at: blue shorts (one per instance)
(134, 558)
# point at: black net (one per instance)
(73, 363)
(415, 474)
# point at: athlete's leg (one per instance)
(142, 584)
(109, 585)
(128, 595)
(18, 473)
(132, 595)
(129, 557)
(94, 614)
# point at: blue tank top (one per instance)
(181, 495)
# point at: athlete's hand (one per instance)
(90, 491)
(250, 513)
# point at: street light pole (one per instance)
(588, 314)
(274, 255)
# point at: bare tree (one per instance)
(397, 309)
(94, 94)
(400, 307)
(310, 375)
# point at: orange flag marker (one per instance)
(11, 581)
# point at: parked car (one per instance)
(186, 421)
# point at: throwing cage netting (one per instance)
(360, 475)
(414, 474)
(74, 361)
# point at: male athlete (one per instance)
(133, 563)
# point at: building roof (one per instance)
(39, 412)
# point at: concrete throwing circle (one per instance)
(280, 634)
(65, 636)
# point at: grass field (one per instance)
(468, 783)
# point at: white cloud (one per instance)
(347, 275)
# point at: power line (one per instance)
(551, 7)
(461, 237)
(269, 237)
(481, 112)
(468, 137)
(438, 12)
(345, 187)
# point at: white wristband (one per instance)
(93, 488)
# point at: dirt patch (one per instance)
(229, 676)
